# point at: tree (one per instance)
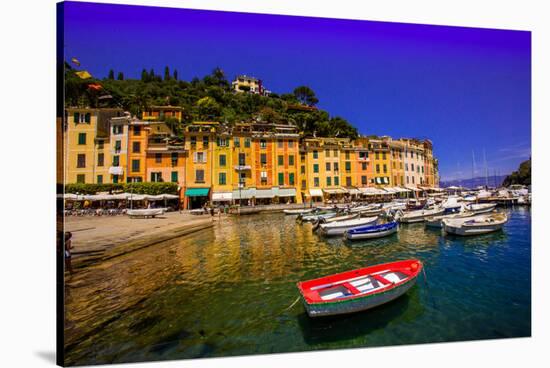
(521, 176)
(175, 74)
(144, 76)
(207, 108)
(305, 95)
(151, 75)
(111, 74)
(166, 73)
(120, 76)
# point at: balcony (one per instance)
(242, 167)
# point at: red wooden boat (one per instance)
(358, 290)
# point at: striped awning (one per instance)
(222, 196)
(244, 193)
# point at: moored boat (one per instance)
(480, 224)
(419, 215)
(372, 231)
(358, 290)
(316, 216)
(298, 211)
(147, 212)
(436, 221)
(339, 227)
(478, 208)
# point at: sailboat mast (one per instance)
(486, 172)
(473, 168)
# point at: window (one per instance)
(290, 160)
(303, 184)
(205, 141)
(100, 179)
(336, 166)
(377, 168)
(383, 155)
(327, 153)
(302, 158)
(290, 144)
(223, 160)
(407, 180)
(81, 178)
(364, 180)
(100, 145)
(156, 177)
(348, 166)
(280, 160)
(406, 167)
(327, 168)
(199, 176)
(81, 160)
(135, 165)
(81, 138)
(174, 176)
(174, 158)
(315, 168)
(118, 146)
(137, 129)
(100, 159)
(412, 167)
(158, 158)
(422, 169)
(395, 180)
(242, 159)
(315, 155)
(116, 160)
(385, 168)
(412, 178)
(363, 166)
(222, 142)
(115, 179)
(348, 181)
(263, 143)
(263, 177)
(329, 181)
(242, 178)
(87, 117)
(412, 154)
(280, 143)
(136, 147)
(236, 142)
(302, 169)
(247, 142)
(117, 129)
(347, 155)
(377, 155)
(281, 178)
(315, 182)
(76, 117)
(199, 157)
(335, 153)
(222, 178)
(291, 179)
(336, 180)
(193, 141)
(263, 159)
(363, 155)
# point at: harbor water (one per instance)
(225, 291)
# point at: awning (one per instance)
(413, 188)
(243, 167)
(264, 193)
(285, 192)
(353, 191)
(116, 170)
(335, 191)
(316, 192)
(391, 190)
(197, 192)
(222, 196)
(372, 191)
(244, 193)
(402, 190)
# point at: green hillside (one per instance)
(521, 176)
(209, 98)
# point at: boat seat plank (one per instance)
(351, 288)
(381, 279)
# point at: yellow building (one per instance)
(382, 162)
(162, 113)
(243, 83)
(85, 138)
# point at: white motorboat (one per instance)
(339, 218)
(451, 205)
(147, 212)
(480, 224)
(436, 221)
(298, 211)
(338, 228)
(479, 208)
(372, 232)
(418, 215)
(316, 216)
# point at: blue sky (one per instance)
(466, 89)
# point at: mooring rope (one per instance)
(292, 305)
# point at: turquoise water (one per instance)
(224, 291)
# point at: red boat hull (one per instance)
(360, 289)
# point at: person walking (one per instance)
(68, 247)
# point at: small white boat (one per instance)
(372, 232)
(451, 205)
(338, 228)
(419, 215)
(479, 208)
(316, 216)
(339, 218)
(436, 221)
(298, 211)
(144, 213)
(480, 224)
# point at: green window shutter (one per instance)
(348, 166)
(76, 117)
(174, 177)
(222, 160)
(81, 138)
(222, 179)
(336, 180)
(281, 160)
(329, 181)
(87, 117)
(281, 179)
(291, 179)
